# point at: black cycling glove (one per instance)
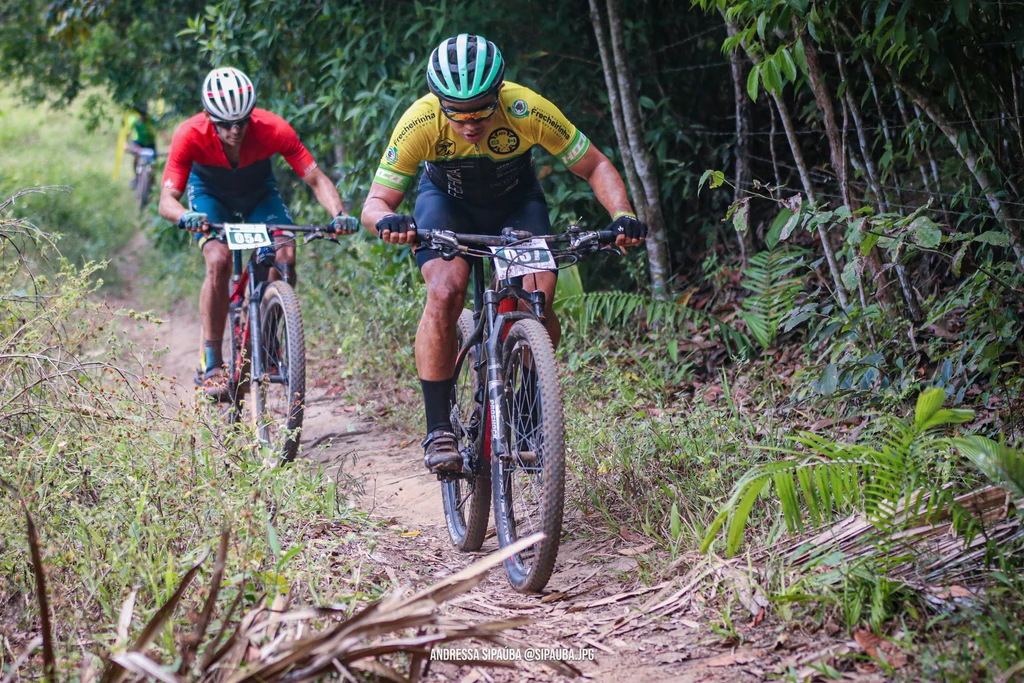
(628, 225)
(396, 223)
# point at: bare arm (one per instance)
(604, 179)
(325, 192)
(380, 202)
(170, 205)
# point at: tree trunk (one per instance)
(608, 66)
(771, 146)
(805, 179)
(865, 146)
(977, 130)
(742, 178)
(885, 126)
(927, 183)
(988, 187)
(821, 95)
(1016, 111)
(657, 242)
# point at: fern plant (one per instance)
(893, 484)
(623, 308)
(774, 287)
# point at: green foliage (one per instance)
(93, 214)
(1002, 465)
(59, 49)
(774, 289)
(621, 308)
(126, 493)
(881, 480)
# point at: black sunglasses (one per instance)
(228, 125)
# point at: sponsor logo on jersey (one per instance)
(444, 147)
(519, 109)
(391, 156)
(454, 178)
(414, 124)
(552, 123)
(503, 141)
(577, 148)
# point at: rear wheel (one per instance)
(529, 480)
(278, 395)
(467, 500)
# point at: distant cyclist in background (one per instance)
(142, 135)
(222, 157)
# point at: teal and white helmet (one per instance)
(464, 68)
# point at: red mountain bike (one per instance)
(267, 364)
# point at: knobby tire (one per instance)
(529, 483)
(277, 409)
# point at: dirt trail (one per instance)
(595, 600)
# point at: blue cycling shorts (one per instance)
(262, 206)
(524, 209)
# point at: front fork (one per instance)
(495, 312)
(256, 373)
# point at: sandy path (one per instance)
(595, 600)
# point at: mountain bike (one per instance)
(506, 402)
(267, 361)
(144, 161)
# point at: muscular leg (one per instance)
(285, 255)
(435, 337)
(213, 299)
(545, 282)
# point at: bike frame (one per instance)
(494, 310)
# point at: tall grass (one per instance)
(42, 146)
(126, 487)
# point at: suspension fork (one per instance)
(255, 294)
(495, 376)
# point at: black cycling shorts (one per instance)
(524, 209)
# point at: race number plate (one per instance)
(246, 235)
(523, 259)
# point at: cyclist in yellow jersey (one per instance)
(475, 132)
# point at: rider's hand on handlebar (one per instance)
(344, 225)
(630, 231)
(193, 221)
(397, 229)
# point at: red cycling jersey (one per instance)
(196, 142)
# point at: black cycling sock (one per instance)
(437, 399)
(214, 357)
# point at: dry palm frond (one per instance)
(933, 549)
(366, 642)
(49, 661)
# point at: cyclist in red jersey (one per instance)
(221, 156)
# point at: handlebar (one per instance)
(509, 237)
(310, 232)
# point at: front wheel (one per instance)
(528, 481)
(278, 394)
(143, 185)
(467, 499)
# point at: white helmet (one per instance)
(228, 94)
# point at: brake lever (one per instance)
(318, 235)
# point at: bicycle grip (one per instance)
(607, 236)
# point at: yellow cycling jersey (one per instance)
(479, 171)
